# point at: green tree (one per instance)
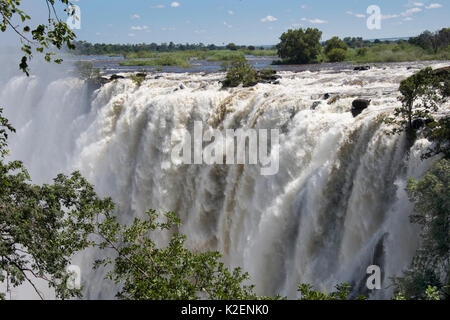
(421, 94)
(439, 133)
(431, 264)
(232, 46)
(335, 49)
(42, 37)
(144, 271)
(42, 227)
(300, 46)
(240, 72)
(335, 43)
(337, 55)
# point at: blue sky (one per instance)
(247, 21)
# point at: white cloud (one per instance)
(139, 28)
(131, 35)
(408, 19)
(269, 19)
(358, 15)
(434, 6)
(414, 4)
(175, 4)
(315, 21)
(304, 6)
(226, 24)
(135, 16)
(389, 16)
(158, 6)
(230, 12)
(318, 21)
(411, 11)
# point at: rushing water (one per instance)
(336, 206)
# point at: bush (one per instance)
(138, 78)
(361, 52)
(232, 46)
(300, 46)
(430, 266)
(336, 55)
(335, 43)
(240, 72)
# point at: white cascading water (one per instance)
(336, 206)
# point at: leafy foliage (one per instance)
(240, 72)
(336, 55)
(421, 94)
(42, 227)
(138, 78)
(432, 41)
(431, 265)
(54, 33)
(300, 46)
(335, 49)
(334, 43)
(145, 271)
(439, 133)
(342, 292)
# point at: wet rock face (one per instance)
(315, 105)
(361, 68)
(358, 106)
(115, 77)
(419, 123)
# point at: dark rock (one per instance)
(361, 68)
(315, 104)
(103, 80)
(419, 123)
(442, 72)
(358, 106)
(141, 74)
(326, 96)
(115, 77)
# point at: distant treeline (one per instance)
(427, 40)
(432, 41)
(86, 48)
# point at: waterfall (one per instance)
(336, 205)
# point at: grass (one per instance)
(182, 58)
(261, 53)
(393, 52)
(382, 52)
(225, 55)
